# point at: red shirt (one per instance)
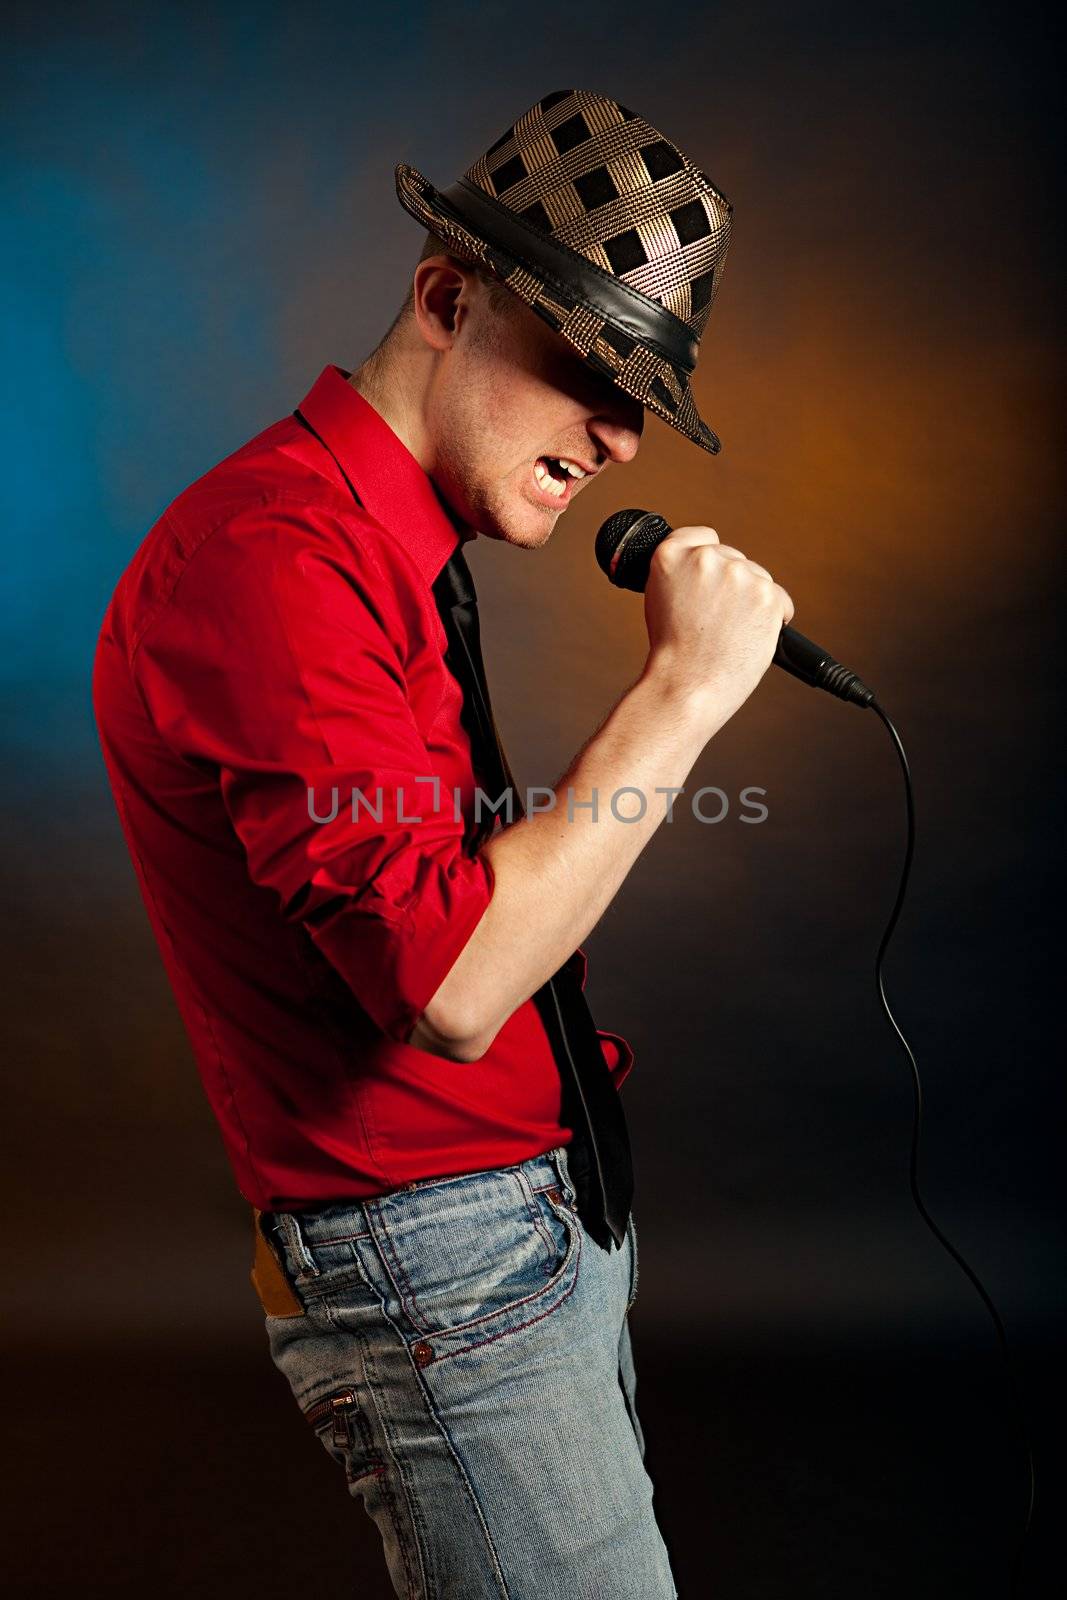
(272, 641)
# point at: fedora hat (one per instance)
(606, 230)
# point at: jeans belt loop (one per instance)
(289, 1223)
(559, 1155)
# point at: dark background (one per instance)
(198, 214)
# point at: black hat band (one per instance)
(575, 275)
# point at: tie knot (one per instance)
(454, 585)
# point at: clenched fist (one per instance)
(713, 618)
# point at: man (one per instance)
(383, 987)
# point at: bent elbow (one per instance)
(450, 1035)
(469, 1049)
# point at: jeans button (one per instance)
(422, 1353)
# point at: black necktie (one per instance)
(598, 1157)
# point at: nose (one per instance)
(617, 432)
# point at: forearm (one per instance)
(556, 872)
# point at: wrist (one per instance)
(699, 704)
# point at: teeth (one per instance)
(573, 468)
(547, 481)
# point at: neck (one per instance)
(396, 382)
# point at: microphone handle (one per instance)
(813, 665)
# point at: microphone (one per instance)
(624, 549)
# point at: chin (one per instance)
(529, 538)
(528, 532)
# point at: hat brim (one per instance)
(644, 374)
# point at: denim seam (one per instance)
(339, 1238)
(461, 1467)
(417, 1583)
(414, 1312)
(411, 1501)
(633, 1266)
(385, 1489)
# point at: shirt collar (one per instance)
(392, 485)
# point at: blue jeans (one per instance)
(463, 1354)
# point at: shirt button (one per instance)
(423, 1353)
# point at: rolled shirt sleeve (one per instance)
(278, 665)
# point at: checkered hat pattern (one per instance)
(619, 204)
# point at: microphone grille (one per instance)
(625, 544)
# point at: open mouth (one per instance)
(556, 475)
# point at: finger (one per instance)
(739, 555)
(687, 538)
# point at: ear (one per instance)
(441, 296)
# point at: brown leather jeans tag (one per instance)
(276, 1294)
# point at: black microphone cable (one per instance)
(916, 1140)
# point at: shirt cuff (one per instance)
(618, 1056)
(395, 961)
(617, 1053)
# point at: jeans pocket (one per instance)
(474, 1255)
